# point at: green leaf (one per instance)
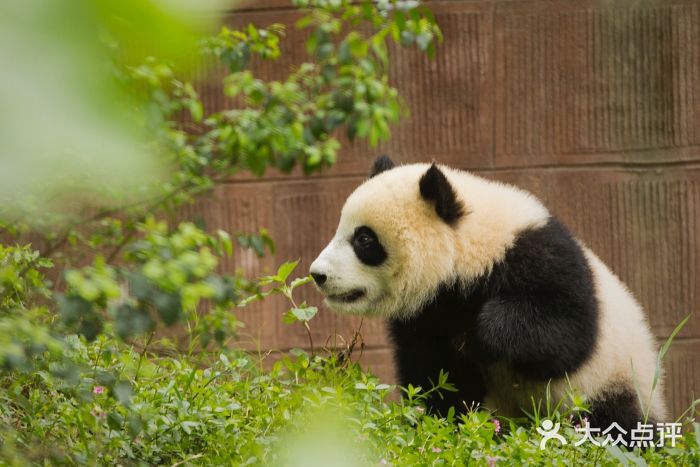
(224, 289)
(105, 378)
(301, 314)
(169, 306)
(407, 38)
(358, 46)
(258, 245)
(90, 327)
(267, 240)
(423, 40)
(114, 421)
(305, 22)
(285, 270)
(225, 240)
(140, 285)
(224, 359)
(107, 357)
(134, 425)
(131, 321)
(379, 48)
(196, 110)
(299, 281)
(664, 350)
(122, 392)
(617, 453)
(73, 308)
(400, 20)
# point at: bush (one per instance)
(227, 410)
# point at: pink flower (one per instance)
(497, 424)
(421, 449)
(584, 419)
(383, 462)
(420, 409)
(434, 449)
(98, 390)
(491, 460)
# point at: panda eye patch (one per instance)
(367, 247)
(364, 240)
(364, 237)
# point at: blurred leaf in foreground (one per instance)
(63, 129)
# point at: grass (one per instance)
(130, 407)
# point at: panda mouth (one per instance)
(349, 297)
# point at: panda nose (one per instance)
(320, 279)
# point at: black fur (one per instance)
(536, 311)
(381, 164)
(619, 405)
(367, 247)
(432, 341)
(435, 187)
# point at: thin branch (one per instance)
(142, 356)
(184, 461)
(311, 340)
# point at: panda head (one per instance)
(395, 243)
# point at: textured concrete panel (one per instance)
(683, 376)
(449, 96)
(578, 84)
(245, 6)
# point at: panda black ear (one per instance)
(381, 164)
(435, 188)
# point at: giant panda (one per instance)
(477, 278)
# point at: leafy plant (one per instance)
(227, 409)
(141, 273)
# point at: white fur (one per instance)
(624, 342)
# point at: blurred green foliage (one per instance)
(64, 133)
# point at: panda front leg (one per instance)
(419, 360)
(540, 339)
